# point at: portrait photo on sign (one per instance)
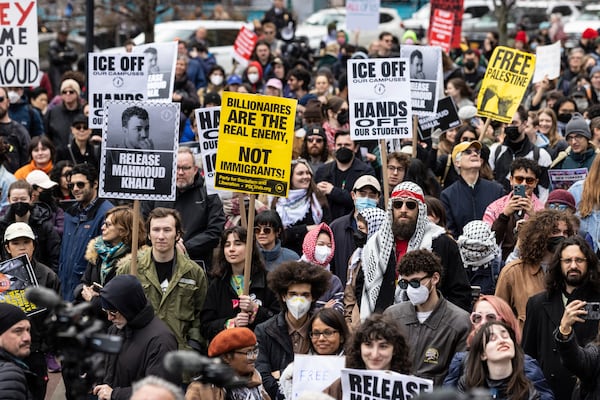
(161, 59)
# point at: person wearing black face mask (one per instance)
(472, 71)
(538, 237)
(336, 178)
(38, 216)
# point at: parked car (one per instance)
(315, 26)
(589, 18)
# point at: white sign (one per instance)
(362, 15)
(162, 58)
(139, 144)
(426, 79)
(379, 98)
(547, 62)
(114, 77)
(314, 373)
(19, 54)
(362, 384)
(207, 123)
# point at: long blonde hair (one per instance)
(590, 196)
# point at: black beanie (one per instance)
(124, 293)
(10, 315)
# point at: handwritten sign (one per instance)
(19, 53)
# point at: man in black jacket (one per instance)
(572, 275)
(146, 339)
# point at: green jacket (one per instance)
(180, 306)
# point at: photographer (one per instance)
(146, 339)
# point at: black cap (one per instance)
(80, 119)
(212, 98)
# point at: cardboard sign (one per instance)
(314, 373)
(256, 134)
(547, 62)
(379, 98)
(19, 53)
(362, 15)
(161, 59)
(207, 121)
(139, 144)
(456, 8)
(445, 118)
(359, 384)
(244, 45)
(426, 80)
(506, 79)
(440, 30)
(16, 275)
(114, 77)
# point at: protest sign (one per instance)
(425, 76)
(161, 59)
(547, 62)
(362, 15)
(19, 53)
(506, 78)
(445, 118)
(207, 122)
(16, 275)
(139, 143)
(456, 8)
(379, 98)
(314, 373)
(440, 30)
(114, 77)
(244, 45)
(256, 134)
(564, 178)
(362, 384)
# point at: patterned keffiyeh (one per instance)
(477, 245)
(293, 208)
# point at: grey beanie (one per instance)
(578, 125)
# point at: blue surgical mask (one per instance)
(362, 203)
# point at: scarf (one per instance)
(293, 208)
(477, 245)
(109, 255)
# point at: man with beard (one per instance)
(572, 275)
(13, 134)
(407, 229)
(314, 147)
(336, 178)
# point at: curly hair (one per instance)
(293, 272)
(536, 231)
(223, 267)
(525, 164)
(476, 371)
(420, 261)
(555, 281)
(379, 327)
(335, 320)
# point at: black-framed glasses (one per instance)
(185, 168)
(328, 333)
(569, 261)
(80, 185)
(414, 283)
(250, 353)
(410, 204)
(394, 169)
(477, 317)
(267, 230)
(528, 179)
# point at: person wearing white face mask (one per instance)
(297, 285)
(253, 75)
(435, 328)
(216, 83)
(318, 248)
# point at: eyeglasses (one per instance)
(569, 261)
(327, 333)
(68, 92)
(314, 139)
(575, 137)
(263, 229)
(80, 185)
(414, 283)
(528, 179)
(250, 353)
(395, 170)
(476, 317)
(410, 204)
(472, 151)
(185, 168)
(113, 314)
(80, 127)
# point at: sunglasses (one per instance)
(314, 140)
(263, 229)
(476, 317)
(528, 180)
(68, 92)
(414, 283)
(472, 151)
(410, 204)
(80, 185)
(80, 127)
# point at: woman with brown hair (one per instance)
(588, 209)
(547, 136)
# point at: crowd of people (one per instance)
(479, 271)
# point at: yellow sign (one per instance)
(254, 153)
(506, 78)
